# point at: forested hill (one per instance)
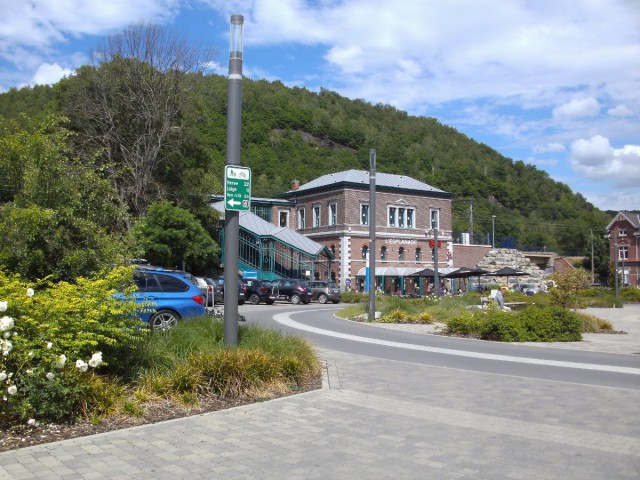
(293, 133)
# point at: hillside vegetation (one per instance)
(293, 133)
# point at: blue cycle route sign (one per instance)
(237, 188)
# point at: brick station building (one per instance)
(334, 210)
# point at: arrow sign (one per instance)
(237, 188)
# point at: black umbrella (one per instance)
(466, 272)
(507, 272)
(427, 272)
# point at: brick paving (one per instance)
(375, 419)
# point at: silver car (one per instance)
(324, 292)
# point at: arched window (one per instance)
(316, 275)
(333, 251)
(383, 253)
(365, 252)
(401, 253)
(418, 254)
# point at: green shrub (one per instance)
(534, 324)
(630, 295)
(351, 296)
(592, 324)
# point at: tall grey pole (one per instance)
(471, 220)
(493, 231)
(372, 235)
(593, 277)
(436, 278)
(615, 267)
(231, 217)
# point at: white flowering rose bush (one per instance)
(53, 337)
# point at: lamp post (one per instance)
(615, 268)
(493, 231)
(372, 235)
(231, 217)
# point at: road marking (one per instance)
(285, 319)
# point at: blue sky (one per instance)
(554, 83)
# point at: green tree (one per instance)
(171, 236)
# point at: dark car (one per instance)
(210, 289)
(258, 291)
(171, 296)
(291, 290)
(241, 290)
(324, 291)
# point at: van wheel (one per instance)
(323, 298)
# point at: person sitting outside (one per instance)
(500, 299)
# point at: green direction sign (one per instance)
(237, 188)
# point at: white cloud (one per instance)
(577, 108)
(597, 160)
(620, 111)
(48, 74)
(549, 147)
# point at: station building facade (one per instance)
(412, 220)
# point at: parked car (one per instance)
(210, 289)
(171, 294)
(241, 290)
(258, 291)
(324, 291)
(526, 288)
(291, 290)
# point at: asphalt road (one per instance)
(327, 331)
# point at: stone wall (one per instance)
(498, 258)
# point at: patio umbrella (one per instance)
(507, 272)
(427, 272)
(465, 272)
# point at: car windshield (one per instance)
(332, 285)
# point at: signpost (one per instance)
(237, 188)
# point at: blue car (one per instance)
(171, 294)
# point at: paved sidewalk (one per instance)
(374, 419)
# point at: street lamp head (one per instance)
(235, 39)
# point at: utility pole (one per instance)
(593, 278)
(372, 235)
(471, 220)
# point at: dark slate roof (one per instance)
(254, 224)
(361, 177)
(633, 217)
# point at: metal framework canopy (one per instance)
(276, 252)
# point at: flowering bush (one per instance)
(50, 324)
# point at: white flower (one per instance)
(81, 365)
(12, 390)
(29, 371)
(32, 421)
(7, 334)
(60, 361)
(96, 360)
(3, 306)
(50, 376)
(49, 345)
(3, 376)
(6, 347)
(30, 292)
(6, 323)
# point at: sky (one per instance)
(553, 83)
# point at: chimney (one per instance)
(295, 185)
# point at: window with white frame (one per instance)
(435, 218)
(401, 217)
(283, 218)
(333, 214)
(316, 215)
(623, 252)
(364, 214)
(401, 254)
(622, 232)
(365, 252)
(418, 254)
(383, 253)
(301, 218)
